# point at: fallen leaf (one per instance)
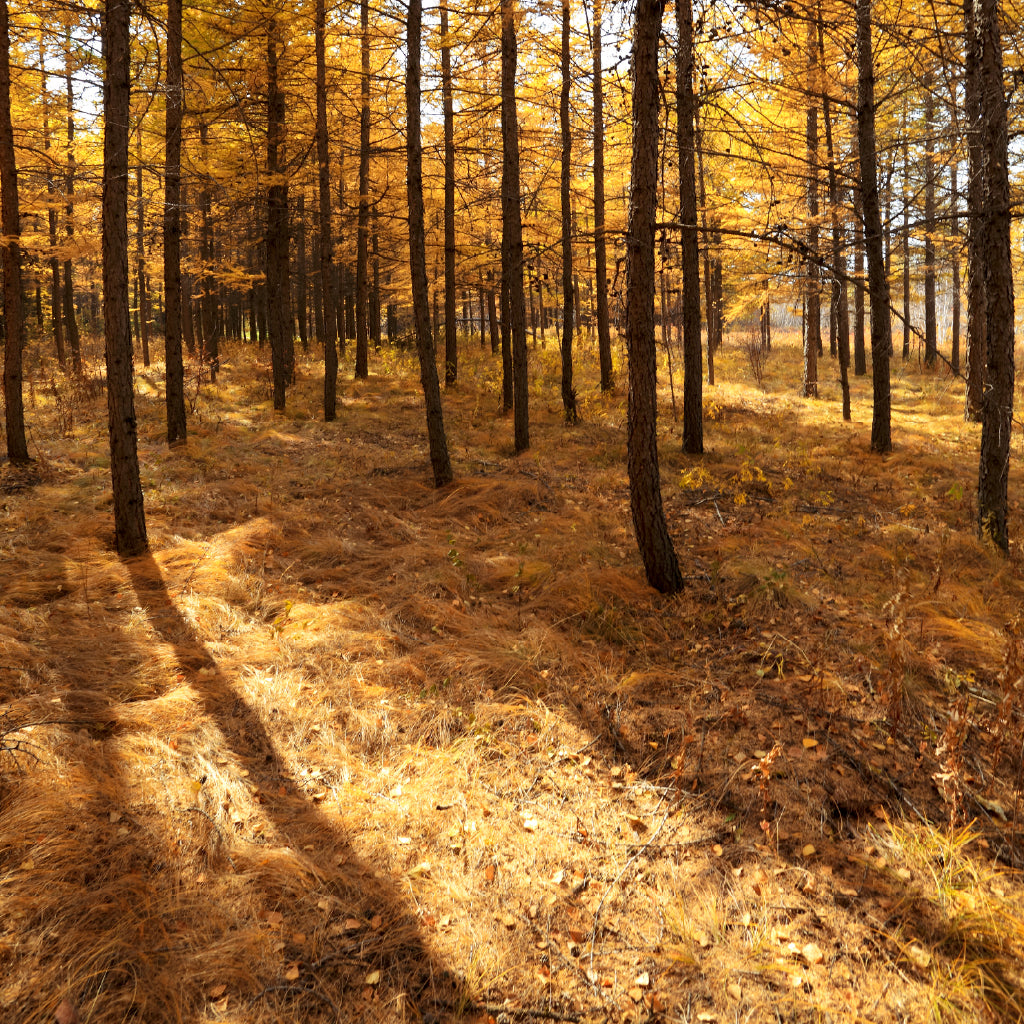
(216, 991)
(638, 825)
(531, 824)
(66, 1013)
(489, 872)
(809, 742)
(643, 980)
(421, 870)
(636, 994)
(373, 978)
(812, 953)
(293, 972)
(323, 905)
(919, 956)
(734, 990)
(376, 921)
(809, 850)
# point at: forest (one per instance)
(508, 512)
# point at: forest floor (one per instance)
(345, 747)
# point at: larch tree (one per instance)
(604, 345)
(10, 253)
(436, 439)
(326, 307)
(569, 406)
(997, 401)
(653, 540)
(129, 512)
(362, 296)
(177, 429)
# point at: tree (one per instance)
(878, 285)
(129, 513)
(512, 227)
(686, 141)
(997, 402)
(604, 344)
(652, 535)
(363, 223)
(10, 253)
(280, 321)
(451, 341)
(812, 334)
(177, 430)
(326, 307)
(436, 439)
(572, 415)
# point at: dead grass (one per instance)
(345, 747)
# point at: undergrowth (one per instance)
(344, 747)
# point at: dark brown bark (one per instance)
(604, 344)
(686, 141)
(954, 199)
(977, 332)
(930, 331)
(301, 292)
(439, 459)
(362, 370)
(905, 236)
(177, 430)
(129, 512)
(279, 316)
(812, 293)
(860, 362)
(652, 535)
(569, 407)
(512, 227)
(70, 318)
(997, 402)
(451, 341)
(207, 322)
(327, 305)
(10, 259)
(878, 285)
(141, 282)
(51, 216)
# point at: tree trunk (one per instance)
(652, 535)
(141, 283)
(437, 441)
(572, 415)
(10, 259)
(693, 370)
(301, 292)
(812, 336)
(327, 322)
(997, 402)
(209, 344)
(930, 332)
(954, 202)
(977, 329)
(70, 319)
(279, 316)
(51, 216)
(604, 344)
(451, 341)
(878, 285)
(362, 370)
(905, 236)
(512, 227)
(177, 429)
(129, 512)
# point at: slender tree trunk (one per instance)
(51, 215)
(930, 331)
(653, 539)
(604, 344)
(375, 283)
(140, 255)
(363, 224)
(954, 202)
(279, 316)
(327, 323)
(437, 441)
(301, 292)
(10, 259)
(129, 512)
(977, 328)
(70, 318)
(512, 227)
(878, 285)
(507, 390)
(177, 430)
(997, 401)
(812, 336)
(860, 361)
(693, 370)
(451, 341)
(841, 305)
(905, 235)
(210, 344)
(572, 415)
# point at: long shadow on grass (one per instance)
(407, 967)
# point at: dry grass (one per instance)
(348, 748)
